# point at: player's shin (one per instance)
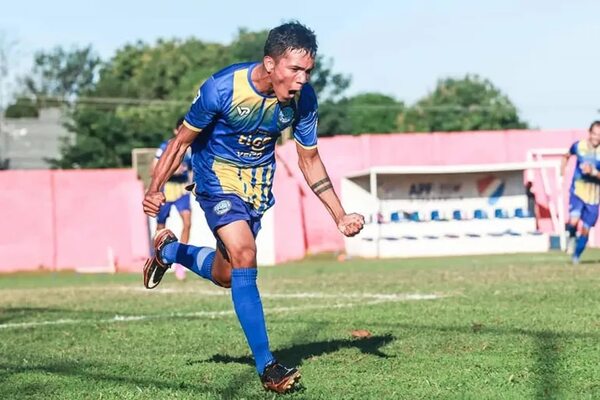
(199, 260)
(580, 245)
(249, 310)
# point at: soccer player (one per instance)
(232, 126)
(584, 197)
(176, 195)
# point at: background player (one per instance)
(176, 195)
(584, 196)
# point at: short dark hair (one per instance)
(290, 36)
(179, 122)
(595, 123)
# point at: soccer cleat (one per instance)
(155, 268)
(575, 260)
(570, 245)
(279, 379)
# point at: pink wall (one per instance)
(70, 219)
(345, 154)
(27, 239)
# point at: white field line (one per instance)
(215, 314)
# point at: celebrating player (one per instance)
(232, 126)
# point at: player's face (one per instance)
(289, 73)
(595, 136)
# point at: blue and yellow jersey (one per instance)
(583, 186)
(175, 187)
(235, 152)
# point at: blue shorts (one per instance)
(587, 213)
(182, 204)
(223, 209)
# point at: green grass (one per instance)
(504, 327)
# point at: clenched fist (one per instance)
(351, 224)
(152, 202)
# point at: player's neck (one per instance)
(261, 80)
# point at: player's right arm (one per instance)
(165, 167)
(203, 111)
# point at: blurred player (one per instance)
(232, 127)
(584, 197)
(176, 195)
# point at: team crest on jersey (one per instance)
(222, 207)
(285, 116)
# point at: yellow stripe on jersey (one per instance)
(267, 182)
(174, 190)
(253, 184)
(245, 98)
(589, 192)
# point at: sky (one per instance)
(543, 54)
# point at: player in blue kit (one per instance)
(584, 197)
(176, 195)
(232, 127)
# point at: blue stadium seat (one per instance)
(395, 216)
(414, 216)
(521, 213)
(500, 213)
(435, 215)
(457, 215)
(480, 214)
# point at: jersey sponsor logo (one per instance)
(243, 111)
(222, 207)
(257, 145)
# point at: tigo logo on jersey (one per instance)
(491, 187)
(222, 207)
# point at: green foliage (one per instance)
(144, 88)
(23, 107)
(363, 113)
(62, 73)
(467, 104)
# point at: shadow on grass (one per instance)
(89, 372)
(296, 354)
(10, 313)
(546, 352)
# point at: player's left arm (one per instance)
(316, 176)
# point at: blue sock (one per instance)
(572, 229)
(249, 310)
(197, 259)
(580, 245)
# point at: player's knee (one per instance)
(223, 279)
(243, 256)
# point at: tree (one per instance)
(61, 75)
(23, 107)
(144, 88)
(466, 104)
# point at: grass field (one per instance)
(493, 327)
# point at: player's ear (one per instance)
(269, 63)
